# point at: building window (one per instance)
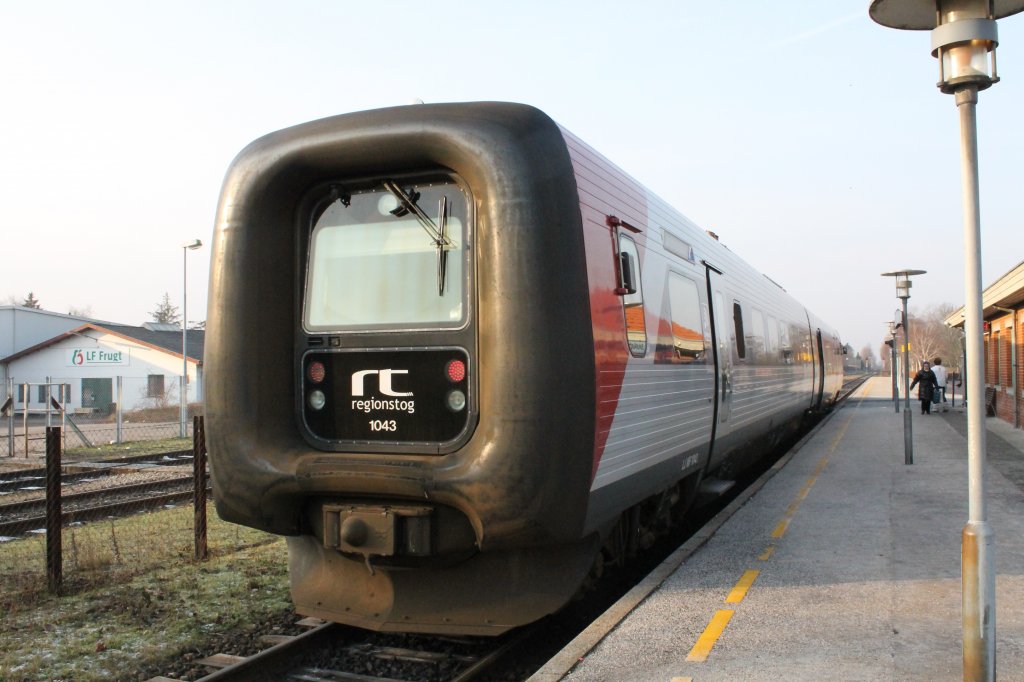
(997, 343)
(155, 386)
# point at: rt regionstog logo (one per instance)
(385, 385)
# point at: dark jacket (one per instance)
(927, 379)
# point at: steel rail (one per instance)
(25, 525)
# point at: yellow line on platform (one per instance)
(767, 553)
(740, 591)
(780, 529)
(839, 436)
(702, 649)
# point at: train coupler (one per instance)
(379, 530)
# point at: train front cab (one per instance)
(400, 365)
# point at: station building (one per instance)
(93, 365)
(1003, 312)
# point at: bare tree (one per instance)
(930, 338)
(867, 356)
(85, 311)
(885, 352)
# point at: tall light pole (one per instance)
(964, 39)
(903, 285)
(892, 363)
(185, 248)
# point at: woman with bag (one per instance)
(926, 377)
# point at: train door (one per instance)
(725, 368)
(722, 359)
(819, 366)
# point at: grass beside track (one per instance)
(139, 447)
(133, 595)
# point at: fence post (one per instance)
(10, 419)
(54, 555)
(120, 411)
(24, 414)
(199, 485)
(63, 417)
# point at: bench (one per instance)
(990, 401)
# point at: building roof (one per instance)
(167, 341)
(1007, 292)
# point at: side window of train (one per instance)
(720, 321)
(772, 339)
(785, 347)
(687, 323)
(737, 320)
(756, 342)
(632, 296)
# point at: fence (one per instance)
(139, 409)
(70, 550)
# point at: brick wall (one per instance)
(999, 352)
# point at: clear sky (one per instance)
(812, 140)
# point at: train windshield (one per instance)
(392, 257)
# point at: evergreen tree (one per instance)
(31, 301)
(165, 312)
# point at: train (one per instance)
(464, 363)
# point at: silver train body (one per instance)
(462, 361)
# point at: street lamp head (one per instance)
(192, 245)
(964, 35)
(903, 282)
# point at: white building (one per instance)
(22, 327)
(95, 363)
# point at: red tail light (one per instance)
(316, 372)
(456, 371)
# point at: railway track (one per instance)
(330, 652)
(851, 385)
(23, 517)
(29, 513)
(11, 481)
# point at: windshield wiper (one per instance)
(442, 244)
(438, 235)
(409, 204)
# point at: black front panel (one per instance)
(407, 396)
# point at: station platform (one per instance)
(844, 565)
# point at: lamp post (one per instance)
(964, 39)
(185, 248)
(892, 364)
(903, 285)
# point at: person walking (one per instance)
(939, 398)
(925, 377)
